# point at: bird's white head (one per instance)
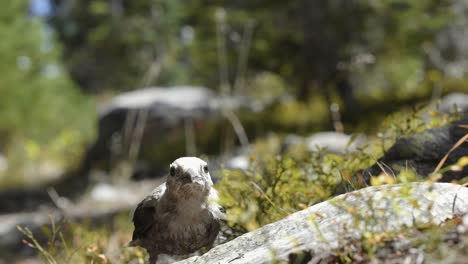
(190, 176)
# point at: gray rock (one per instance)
(454, 103)
(320, 228)
(332, 142)
(335, 142)
(451, 104)
(182, 101)
(239, 162)
(164, 123)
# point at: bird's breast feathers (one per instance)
(186, 232)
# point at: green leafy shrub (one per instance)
(71, 242)
(43, 116)
(278, 184)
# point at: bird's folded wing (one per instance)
(143, 217)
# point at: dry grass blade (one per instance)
(278, 209)
(459, 142)
(463, 126)
(34, 243)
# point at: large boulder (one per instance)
(323, 227)
(154, 126)
(175, 102)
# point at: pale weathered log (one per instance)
(325, 226)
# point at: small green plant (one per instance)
(439, 243)
(278, 184)
(84, 243)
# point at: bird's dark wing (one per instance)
(143, 220)
(213, 231)
(143, 217)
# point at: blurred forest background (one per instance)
(341, 65)
(61, 58)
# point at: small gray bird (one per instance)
(181, 215)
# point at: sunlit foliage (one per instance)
(44, 118)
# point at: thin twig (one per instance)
(222, 53)
(137, 136)
(459, 142)
(382, 168)
(239, 84)
(129, 127)
(63, 204)
(156, 65)
(278, 209)
(237, 126)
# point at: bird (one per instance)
(181, 215)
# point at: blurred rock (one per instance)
(239, 162)
(450, 104)
(314, 232)
(454, 103)
(335, 142)
(159, 125)
(176, 102)
(107, 192)
(332, 142)
(423, 152)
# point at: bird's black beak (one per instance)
(186, 178)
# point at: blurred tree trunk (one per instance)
(317, 50)
(328, 28)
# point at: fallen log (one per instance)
(323, 227)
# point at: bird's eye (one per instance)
(205, 169)
(172, 171)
